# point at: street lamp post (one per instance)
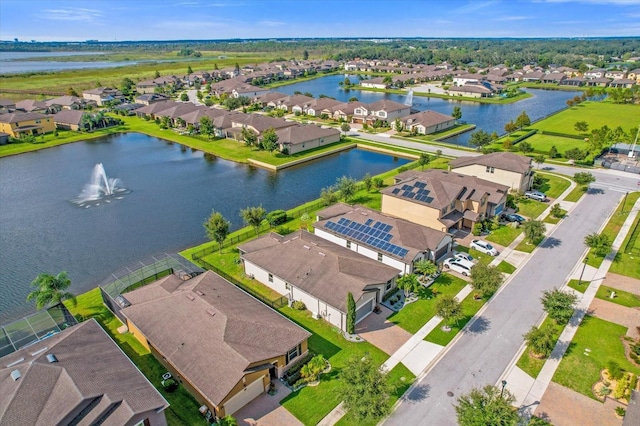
(504, 383)
(584, 265)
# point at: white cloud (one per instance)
(72, 14)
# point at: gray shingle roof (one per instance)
(500, 160)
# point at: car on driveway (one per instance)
(484, 247)
(536, 195)
(460, 266)
(512, 217)
(464, 256)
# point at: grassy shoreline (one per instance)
(499, 101)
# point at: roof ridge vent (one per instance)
(16, 362)
(199, 293)
(191, 296)
(52, 358)
(306, 246)
(321, 253)
(39, 351)
(15, 375)
(211, 312)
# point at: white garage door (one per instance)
(244, 397)
(364, 310)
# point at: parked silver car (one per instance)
(536, 195)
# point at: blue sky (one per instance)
(79, 20)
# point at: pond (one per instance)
(172, 191)
(488, 117)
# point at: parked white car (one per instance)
(484, 247)
(464, 256)
(460, 266)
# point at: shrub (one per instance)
(277, 217)
(283, 230)
(621, 411)
(615, 372)
(298, 305)
(477, 229)
(556, 211)
(170, 385)
(621, 387)
(633, 382)
(604, 391)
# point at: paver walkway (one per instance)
(565, 407)
(382, 333)
(266, 410)
(628, 284)
(612, 312)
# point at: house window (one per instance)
(270, 278)
(379, 257)
(287, 286)
(293, 353)
(388, 286)
(348, 244)
(490, 169)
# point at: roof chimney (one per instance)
(15, 375)
(52, 358)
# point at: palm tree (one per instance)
(228, 421)
(425, 267)
(50, 290)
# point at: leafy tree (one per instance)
(581, 126)
(457, 113)
(575, 154)
(523, 120)
(539, 159)
(449, 309)
(525, 147)
(236, 69)
(397, 125)
(353, 99)
(253, 216)
(347, 187)
(228, 420)
(305, 55)
(184, 97)
(189, 70)
(541, 340)
(553, 152)
(366, 390)
(510, 127)
(556, 211)
(584, 178)
(346, 82)
(345, 127)
(424, 159)
(600, 243)
(378, 182)
(312, 369)
(487, 406)
(206, 126)
(408, 283)
(486, 279)
(368, 182)
(494, 136)
(351, 314)
(479, 139)
(328, 195)
(270, 139)
(157, 74)
(425, 267)
(559, 305)
(276, 217)
(217, 228)
(51, 290)
(534, 230)
(249, 137)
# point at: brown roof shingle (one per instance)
(500, 160)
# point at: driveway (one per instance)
(266, 410)
(381, 333)
(612, 312)
(620, 282)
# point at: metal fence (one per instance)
(616, 165)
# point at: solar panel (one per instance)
(406, 193)
(368, 222)
(406, 187)
(342, 220)
(395, 191)
(387, 237)
(428, 199)
(411, 195)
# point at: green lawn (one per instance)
(526, 246)
(439, 135)
(184, 408)
(623, 298)
(311, 404)
(530, 364)
(580, 369)
(506, 267)
(469, 308)
(531, 208)
(612, 229)
(576, 193)
(577, 285)
(596, 114)
(413, 316)
(554, 185)
(504, 235)
(554, 220)
(627, 260)
(401, 379)
(542, 143)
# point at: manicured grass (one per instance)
(413, 316)
(627, 261)
(50, 140)
(530, 364)
(542, 143)
(554, 220)
(469, 308)
(458, 128)
(311, 404)
(506, 267)
(526, 246)
(580, 369)
(531, 208)
(184, 408)
(576, 193)
(554, 185)
(504, 235)
(492, 100)
(401, 379)
(611, 230)
(596, 114)
(623, 298)
(577, 285)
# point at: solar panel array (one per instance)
(370, 233)
(418, 191)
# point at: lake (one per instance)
(173, 190)
(488, 117)
(11, 63)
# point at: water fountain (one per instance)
(99, 187)
(409, 100)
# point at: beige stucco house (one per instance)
(505, 168)
(16, 124)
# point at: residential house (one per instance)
(30, 105)
(223, 345)
(7, 105)
(103, 95)
(428, 122)
(374, 83)
(4, 138)
(265, 98)
(294, 103)
(151, 86)
(258, 123)
(573, 81)
(595, 73)
(151, 110)
(634, 75)
(77, 376)
(392, 241)
(623, 83)
(533, 76)
(151, 98)
(303, 137)
(462, 79)
(66, 102)
(384, 110)
(193, 117)
(321, 274)
(343, 111)
(615, 74)
(320, 106)
(68, 119)
(17, 124)
(553, 78)
(443, 200)
(504, 168)
(598, 82)
(471, 91)
(236, 87)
